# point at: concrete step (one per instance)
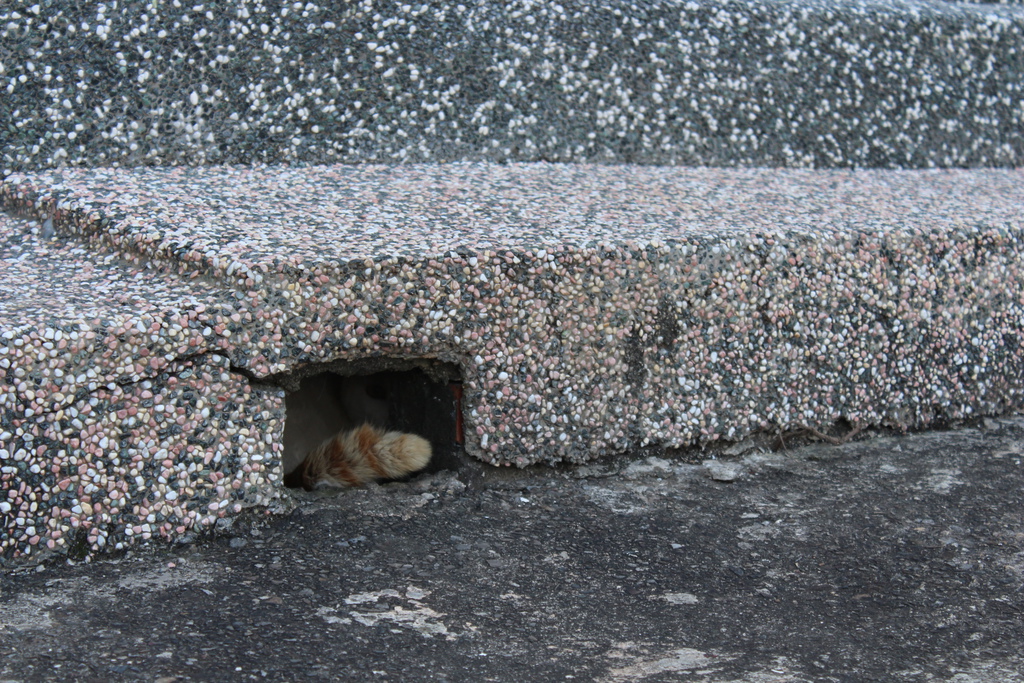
(153, 319)
(849, 83)
(166, 331)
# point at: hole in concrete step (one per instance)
(420, 396)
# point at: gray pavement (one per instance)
(887, 558)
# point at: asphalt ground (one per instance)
(886, 558)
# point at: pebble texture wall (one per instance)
(591, 309)
(794, 83)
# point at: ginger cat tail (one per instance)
(355, 457)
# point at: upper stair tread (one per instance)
(249, 221)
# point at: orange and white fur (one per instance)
(355, 457)
(317, 453)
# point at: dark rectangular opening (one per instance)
(425, 401)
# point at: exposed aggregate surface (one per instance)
(795, 83)
(113, 402)
(591, 310)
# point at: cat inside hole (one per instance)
(336, 435)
